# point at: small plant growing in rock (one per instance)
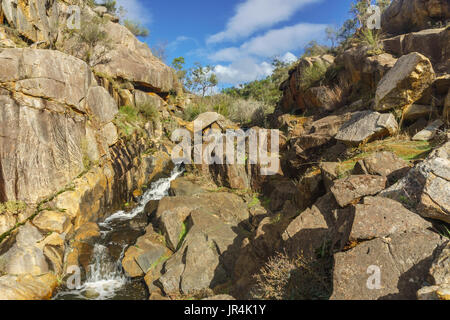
(136, 28)
(284, 278)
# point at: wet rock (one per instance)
(145, 254)
(403, 261)
(429, 132)
(365, 126)
(350, 189)
(405, 82)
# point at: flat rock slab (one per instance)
(385, 164)
(350, 189)
(377, 217)
(365, 126)
(402, 261)
(429, 132)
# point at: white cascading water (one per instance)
(105, 276)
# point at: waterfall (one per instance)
(104, 276)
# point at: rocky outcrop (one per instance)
(439, 276)
(432, 43)
(298, 97)
(404, 16)
(404, 83)
(391, 268)
(425, 188)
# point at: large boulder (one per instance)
(27, 287)
(173, 211)
(400, 262)
(405, 82)
(432, 43)
(365, 126)
(375, 217)
(404, 16)
(25, 257)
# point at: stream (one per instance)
(105, 279)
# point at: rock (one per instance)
(365, 126)
(425, 187)
(51, 221)
(147, 98)
(27, 287)
(208, 118)
(87, 232)
(133, 61)
(321, 132)
(55, 75)
(109, 134)
(294, 97)
(429, 132)
(404, 83)
(440, 269)
(404, 16)
(220, 297)
(432, 43)
(173, 211)
(25, 257)
(329, 173)
(362, 71)
(100, 10)
(446, 113)
(416, 111)
(441, 292)
(101, 104)
(312, 228)
(376, 217)
(184, 187)
(145, 254)
(385, 164)
(403, 260)
(350, 189)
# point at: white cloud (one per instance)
(243, 70)
(174, 44)
(288, 57)
(254, 15)
(273, 43)
(136, 10)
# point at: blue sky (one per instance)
(237, 37)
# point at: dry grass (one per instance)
(299, 278)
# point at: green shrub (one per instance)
(136, 28)
(313, 75)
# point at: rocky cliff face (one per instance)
(60, 144)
